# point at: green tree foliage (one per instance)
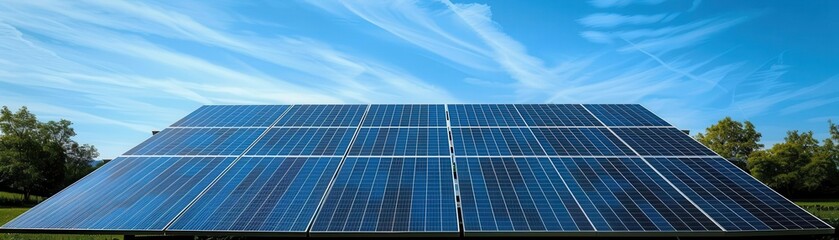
(731, 139)
(798, 166)
(40, 157)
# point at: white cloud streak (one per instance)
(622, 3)
(608, 20)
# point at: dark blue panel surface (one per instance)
(731, 197)
(401, 142)
(198, 141)
(625, 115)
(495, 142)
(232, 116)
(406, 115)
(266, 194)
(323, 116)
(661, 142)
(556, 115)
(390, 195)
(465, 115)
(516, 194)
(304, 141)
(135, 193)
(625, 194)
(580, 142)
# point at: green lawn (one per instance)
(823, 208)
(8, 199)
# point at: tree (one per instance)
(39, 157)
(796, 167)
(731, 139)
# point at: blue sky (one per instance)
(121, 69)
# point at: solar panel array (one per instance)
(420, 169)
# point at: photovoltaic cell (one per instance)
(304, 141)
(265, 194)
(401, 142)
(470, 115)
(580, 142)
(556, 115)
(323, 116)
(390, 195)
(134, 193)
(232, 116)
(625, 194)
(661, 142)
(625, 115)
(495, 142)
(516, 194)
(406, 115)
(735, 200)
(198, 141)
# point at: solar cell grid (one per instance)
(322, 116)
(269, 194)
(390, 195)
(735, 200)
(304, 141)
(470, 115)
(401, 142)
(556, 115)
(625, 115)
(661, 142)
(580, 142)
(516, 194)
(625, 194)
(495, 142)
(232, 116)
(406, 115)
(135, 193)
(198, 141)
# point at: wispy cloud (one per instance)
(116, 57)
(463, 34)
(622, 3)
(607, 20)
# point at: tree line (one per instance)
(800, 166)
(40, 158)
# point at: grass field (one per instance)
(8, 199)
(823, 208)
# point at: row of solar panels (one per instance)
(222, 169)
(423, 115)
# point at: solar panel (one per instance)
(401, 142)
(267, 194)
(323, 116)
(198, 141)
(130, 194)
(661, 142)
(625, 194)
(390, 195)
(420, 170)
(516, 194)
(472, 115)
(495, 142)
(625, 115)
(232, 116)
(734, 199)
(580, 142)
(556, 115)
(304, 141)
(406, 115)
